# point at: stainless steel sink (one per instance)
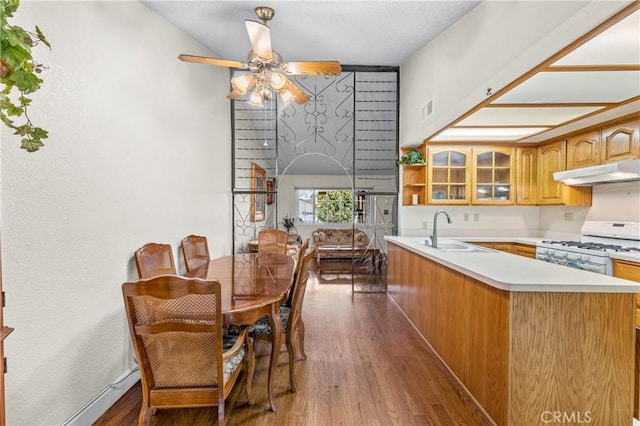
(453, 246)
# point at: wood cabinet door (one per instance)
(526, 176)
(551, 159)
(505, 247)
(621, 142)
(583, 150)
(492, 178)
(448, 176)
(525, 250)
(628, 271)
(482, 244)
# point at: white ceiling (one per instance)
(350, 32)
(589, 83)
(592, 82)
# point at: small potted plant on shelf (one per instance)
(412, 157)
(288, 223)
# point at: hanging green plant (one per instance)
(19, 76)
(412, 157)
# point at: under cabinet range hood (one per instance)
(622, 171)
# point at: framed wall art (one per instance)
(258, 192)
(271, 190)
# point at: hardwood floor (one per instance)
(365, 365)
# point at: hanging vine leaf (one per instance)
(18, 75)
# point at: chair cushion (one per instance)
(262, 325)
(231, 364)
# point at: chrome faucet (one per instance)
(434, 236)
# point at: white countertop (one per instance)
(510, 272)
(524, 240)
(625, 255)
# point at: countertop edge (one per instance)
(463, 263)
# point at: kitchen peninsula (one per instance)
(532, 342)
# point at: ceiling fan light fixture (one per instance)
(278, 80)
(267, 71)
(255, 99)
(234, 94)
(259, 95)
(243, 83)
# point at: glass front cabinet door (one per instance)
(493, 176)
(448, 176)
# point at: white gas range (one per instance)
(591, 253)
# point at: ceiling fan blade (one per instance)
(313, 68)
(212, 61)
(260, 37)
(299, 95)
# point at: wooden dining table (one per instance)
(252, 286)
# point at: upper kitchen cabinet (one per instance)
(583, 150)
(414, 178)
(448, 176)
(551, 159)
(604, 144)
(527, 176)
(621, 142)
(492, 176)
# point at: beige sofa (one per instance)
(339, 243)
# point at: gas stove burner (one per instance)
(599, 241)
(592, 246)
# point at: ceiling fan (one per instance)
(268, 71)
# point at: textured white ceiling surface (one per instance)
(596, 81)
(351, 32)
(601, 75)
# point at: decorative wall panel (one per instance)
(349, 127)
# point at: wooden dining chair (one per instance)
(272, 241)
(195, 251)
(153, 259)
(286, 300)
(292, 322)
(185, 360)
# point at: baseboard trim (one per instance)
(104, 400)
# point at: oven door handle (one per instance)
(592, 268)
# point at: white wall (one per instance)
(138, 151)
(616, 201)
(492, 221)
(491, 46)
